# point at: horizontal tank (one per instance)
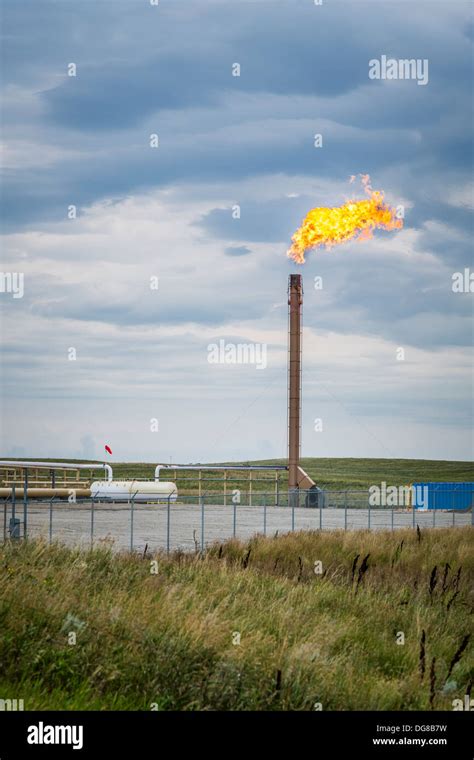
(138, 490)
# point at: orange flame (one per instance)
(354, 219)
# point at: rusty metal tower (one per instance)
(295, 303)
(297, 477)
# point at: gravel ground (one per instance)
(112, 522)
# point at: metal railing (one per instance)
(191, 523)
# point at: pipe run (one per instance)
(25, 465)
(227, 468)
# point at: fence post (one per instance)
(413, 514)
(51, 519)
(320, 514)
(391, 518)
(132, 505)
(92, 523)
(168, 526)
(264, 514)
(368, 514)
(345, 510)
(13, 506)
(234, 519)
(25, 501)
(202, 524)
(293, 510)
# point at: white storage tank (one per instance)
(139, 490)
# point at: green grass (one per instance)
(305, 638)
(335, 474)
(355, 473)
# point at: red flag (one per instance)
(108, 449)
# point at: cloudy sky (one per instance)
(166, 215)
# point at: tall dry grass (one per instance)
(318, 617)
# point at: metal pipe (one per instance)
(228, 468)
(52, 466)
(45, 493)
(56, 465)
(295, 301)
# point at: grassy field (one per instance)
(381, 624)
(335, 474)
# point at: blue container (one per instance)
(457, 496)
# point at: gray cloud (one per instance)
(237, 250)
(227, 140)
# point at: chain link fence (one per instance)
(191, 523)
